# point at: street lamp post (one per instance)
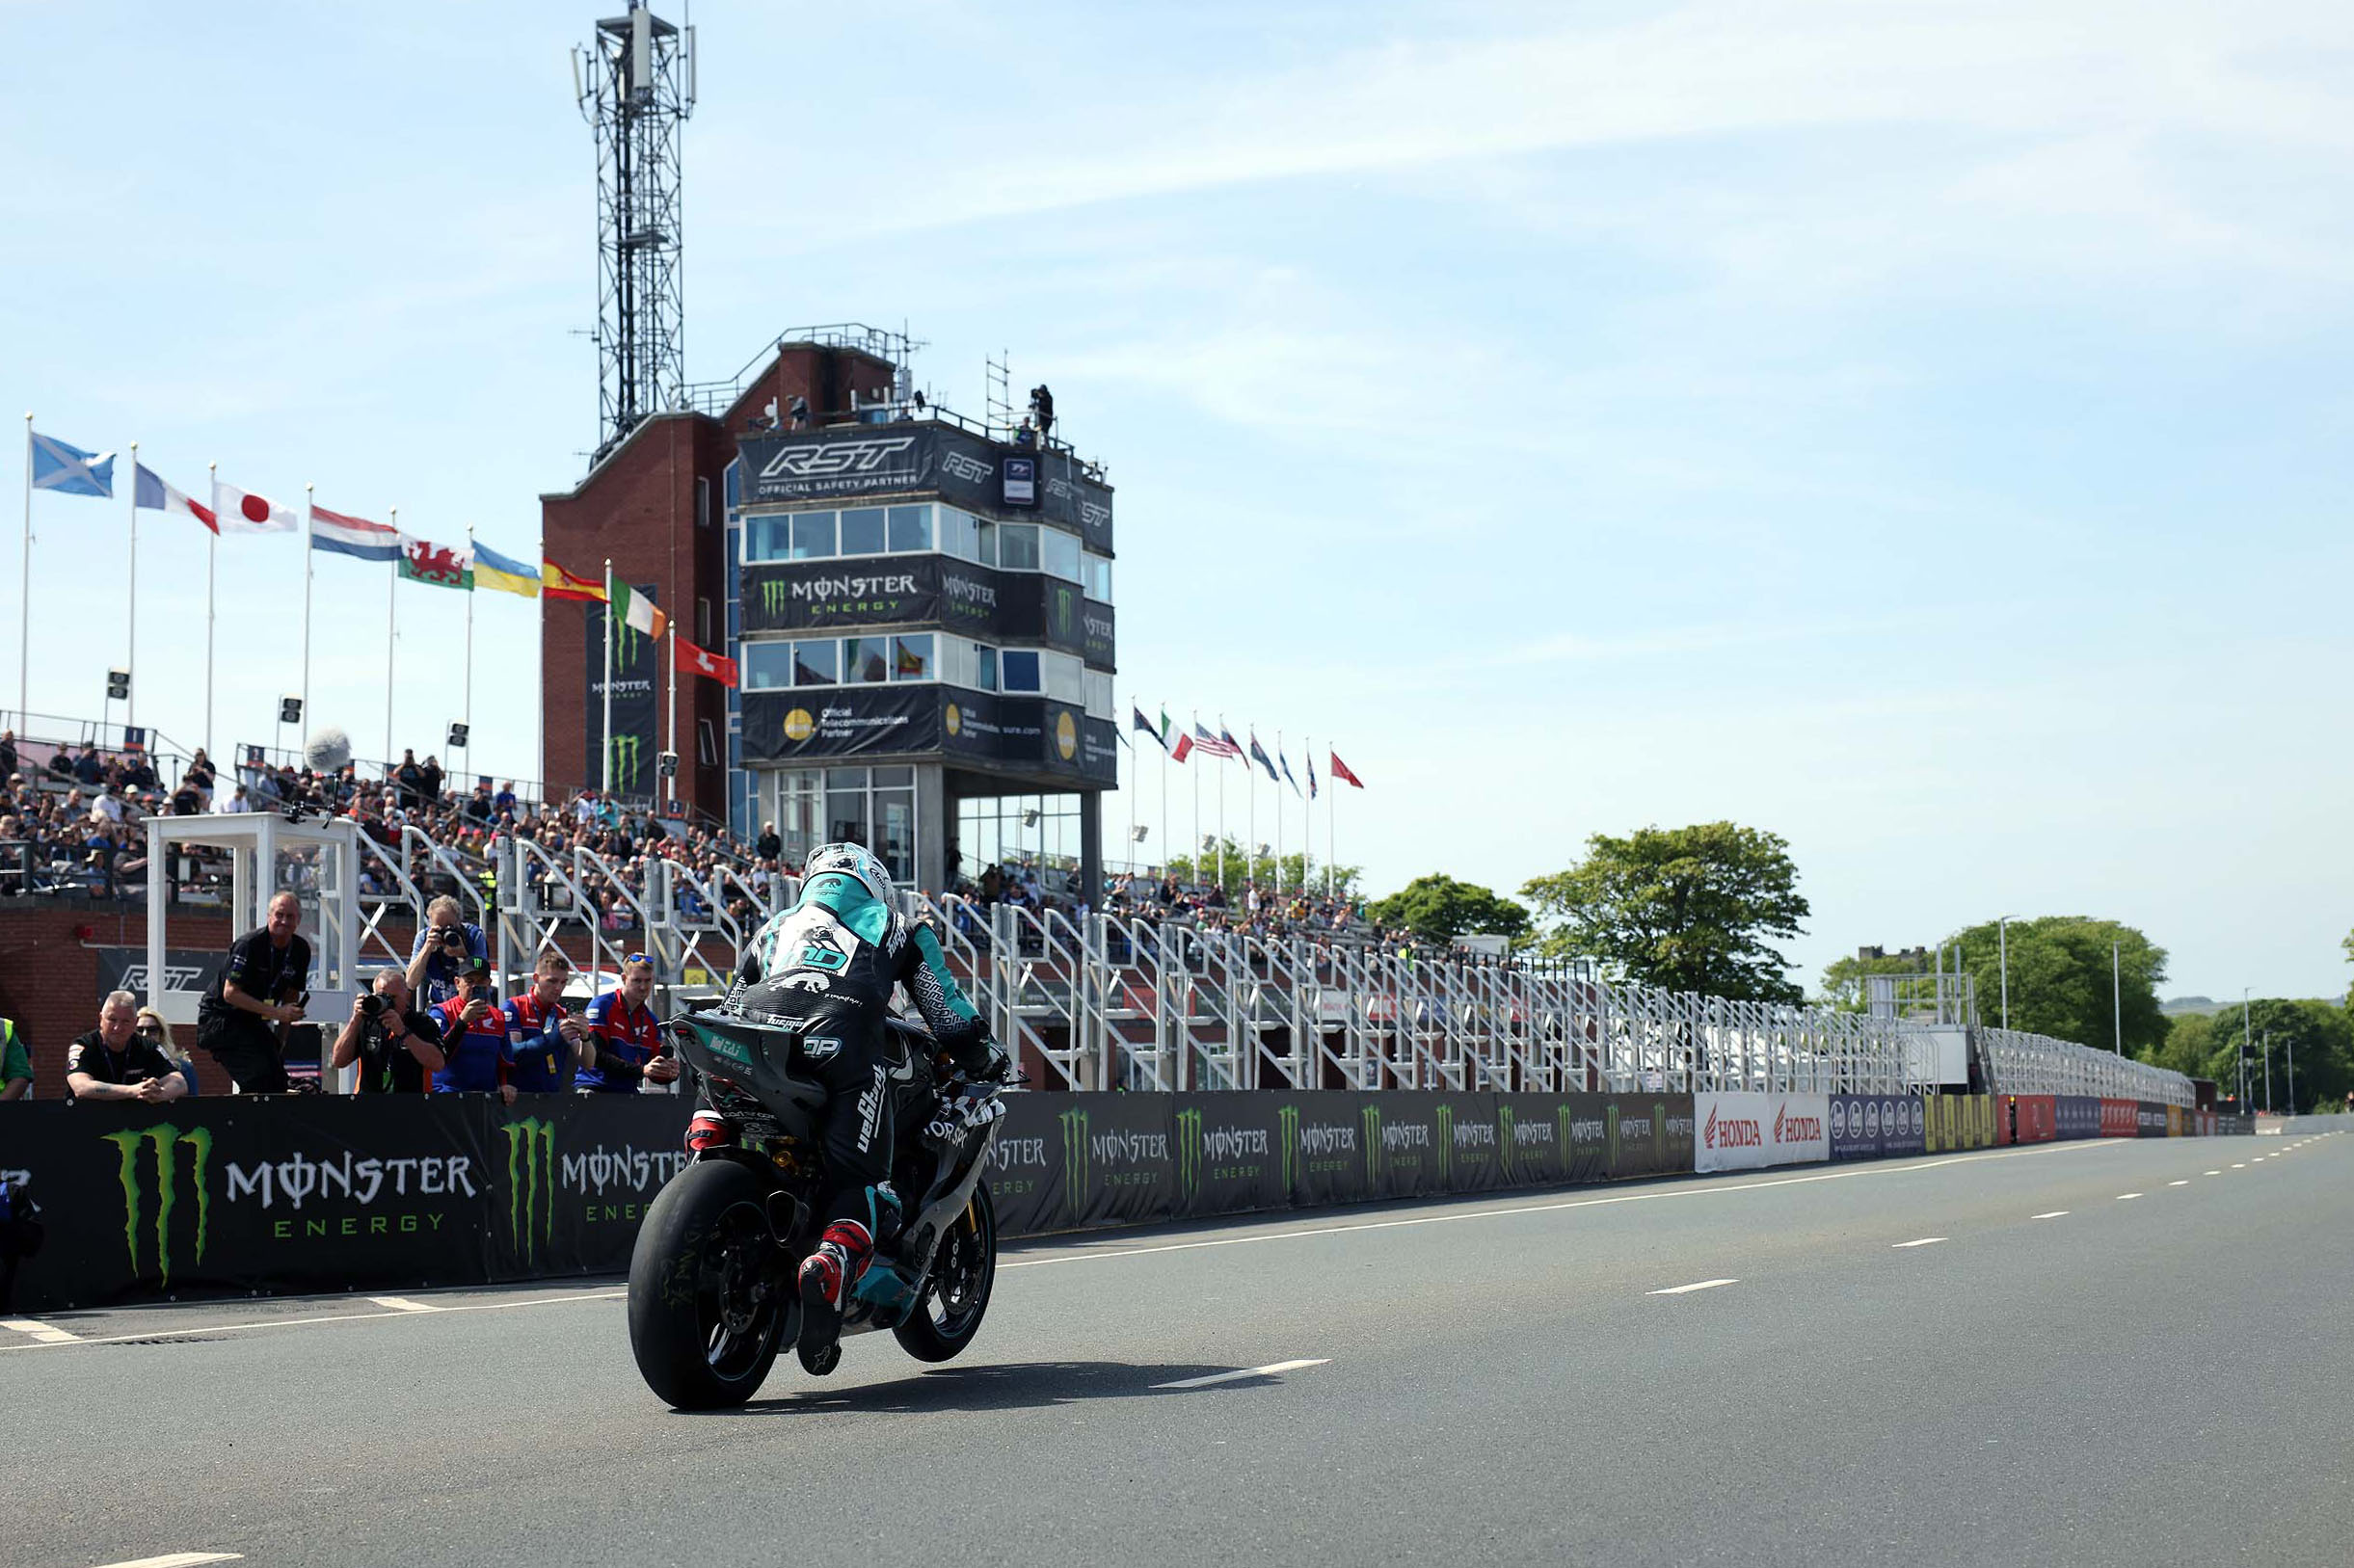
(2116, 1004)
(2002, 963)
(2268, 1072)
(2246, 1039)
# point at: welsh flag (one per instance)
(699, 661)
(442, 566)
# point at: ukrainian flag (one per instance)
(493, 569)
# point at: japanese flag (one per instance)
(241, 512)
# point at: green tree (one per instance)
(1299, 870)
(1688, 909)
(2318, 1036)
(2059, 970)
(1439, 909)
(1843, 980)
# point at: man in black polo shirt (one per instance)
(261, 987)
(113, 1062)
(398, 1049)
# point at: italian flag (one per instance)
(639, 613)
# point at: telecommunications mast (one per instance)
(636, 85)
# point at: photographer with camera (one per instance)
(547, 1044)
(398, 1048)
(443, 948)
(476, 1056)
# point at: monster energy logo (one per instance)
(164, 1140)
(1075, 1171)
(1446, 1141)
(629, 754)
(1287, 1121)
(531, 1184)
(1506, 1126)
(1564, 1126)
(1610, 1138)
(624, 640)
(775, 596)
(1189, 1152)
(1659, 1135)
(1371, 1115)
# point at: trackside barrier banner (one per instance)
(2151, 1121)
(2121, 1119)
(1959, 1122)
(2078, 1116)
(1743, 1131)
(2027, 1119)
(1872, 1127)
(213, 1195)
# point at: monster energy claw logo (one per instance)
(629, 755)
(1371, 1115)
(1506, 1126)
(164, 1140)
(1075, 1172)
(1287, 1118)
(1189, 1152)
(1446, 1142)
(531, 1185)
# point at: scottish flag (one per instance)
(68, 470)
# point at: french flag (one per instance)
(149, 493)
(354, 536)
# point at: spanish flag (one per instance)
(558, 583)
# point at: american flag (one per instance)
(1221, 745)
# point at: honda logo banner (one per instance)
(1744, 1130)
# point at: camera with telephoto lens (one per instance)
(444, 935)
(371, 1006)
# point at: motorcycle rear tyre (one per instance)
(672, 1306)
(927, 1340)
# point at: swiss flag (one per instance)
(1339, 771)
(1183, 747)
(697, 661)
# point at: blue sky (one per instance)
(1920, 430)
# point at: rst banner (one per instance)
(848, 463)
(1741, 1130)
(1874, 1127)
(301, 1193)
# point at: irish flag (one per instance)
(636, 611)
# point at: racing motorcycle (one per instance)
(712, 1297)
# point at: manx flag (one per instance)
(66, 468)
(633, 608)
(444, 565)
(1140, 722)
(149, 493)
(558, 583)
(1286, 772)
(241, 512)
(699, 661)
(493, 569)
(1339, 771)
(354, 536)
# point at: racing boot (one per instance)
(827, 1276)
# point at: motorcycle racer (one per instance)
(828, 965)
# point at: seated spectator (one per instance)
(237, 800)
(398, 1047)
(545, 1042)
(445, 947)
(187, 800)
(89, 768)
(627, 1050)
(112, 1062)
(157, 1032)
(473, 1038)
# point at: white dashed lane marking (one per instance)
(1924, 1241)
(2054, 1215)
(42, 1332)
(2186, 1182)
(1687, 1290)
(2122, 1196)
(404, 1304)
(178, 1560)
(1267, 1371)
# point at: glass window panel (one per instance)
(895, 813)
(893, 776)
(817, 664)
(986, 551)
(1098, 578)
(768, 666)
(1098, 688)
(1017, 546)
(911, 528)
(965, 528)
(845, 778)
(1061, 674)
(845, 816)
(862, 531)
(911, 658)
(866, 659)
(813, 536)
(1019, 669)
(1061, 554)
(985, 672)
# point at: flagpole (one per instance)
(539, 702)
(605, 775)
(469, 710)
(1136, 776)
(400, 554)
(130, 653)
(25, 624)
(671, 728)
(309, 502)
(1221, 811)
(1287, 765)
(212, 555)
(1194, 855)
(1250, 784)
(1332, 812)
(1164, 798)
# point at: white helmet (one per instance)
(850, 861)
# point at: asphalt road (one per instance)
(2095, 1353)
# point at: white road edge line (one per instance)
(178, 1560)
(1267, 1371)
(404, 1304)
(40, 1331)
(2054, 1215)
(1924, 1241)
(1687, 1290)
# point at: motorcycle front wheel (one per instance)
(954, 1299)
(711, 1301)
